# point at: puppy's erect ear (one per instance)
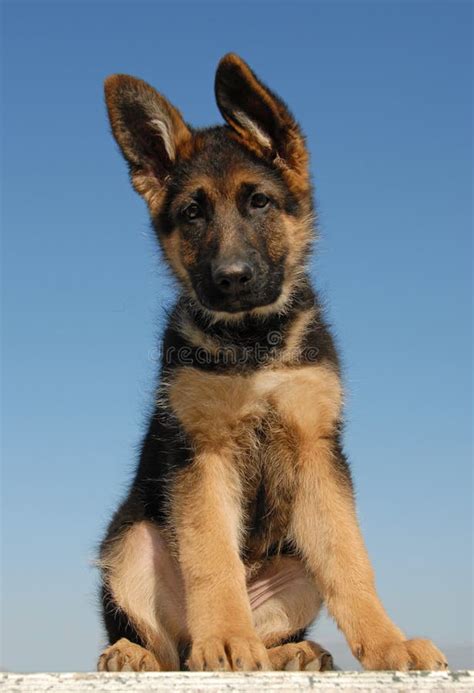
(149, 130)
(260, 118)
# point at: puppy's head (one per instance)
(231, 205)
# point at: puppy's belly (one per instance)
(270, 476)
(274, 577)
(144, 552)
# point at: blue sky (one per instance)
(383, 91)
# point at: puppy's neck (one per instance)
(253, 326)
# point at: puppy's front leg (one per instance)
(207, 518)
(326, 531)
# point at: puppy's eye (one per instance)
(259, 200)
(192, 212)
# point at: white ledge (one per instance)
(283, 682)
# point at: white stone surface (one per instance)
(283, 682)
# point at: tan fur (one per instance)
(291, 236)
(163, 118)
(213, 407)
(301, 656)
(124, 655)
(336, 552)
(147, 186)
(309, 398)
(146, 580)
(270, 433)
(224, 188)
(221, 414)
(291, 353)
(292, 609)
(217, 411)
(206, 512)
(294, 166)
(149, 596)
(176, 256)
(325, 528)
(324, 521)
(299, 233)
(197, 337)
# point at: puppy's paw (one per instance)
(300, 656)
(126, 656)
(417, 654)
(229, 653)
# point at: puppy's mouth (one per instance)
(236, 305)
(244, 303)
(262, 293)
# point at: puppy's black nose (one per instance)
(234, 277)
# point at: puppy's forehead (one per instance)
(222, 174)
(228, 182)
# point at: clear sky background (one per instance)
(383, 91)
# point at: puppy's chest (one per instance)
(241, 414)
(224, 408)
(268, 474)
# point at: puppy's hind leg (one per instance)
(285, 601)
(144, 604)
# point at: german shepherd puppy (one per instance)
(240, 522)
